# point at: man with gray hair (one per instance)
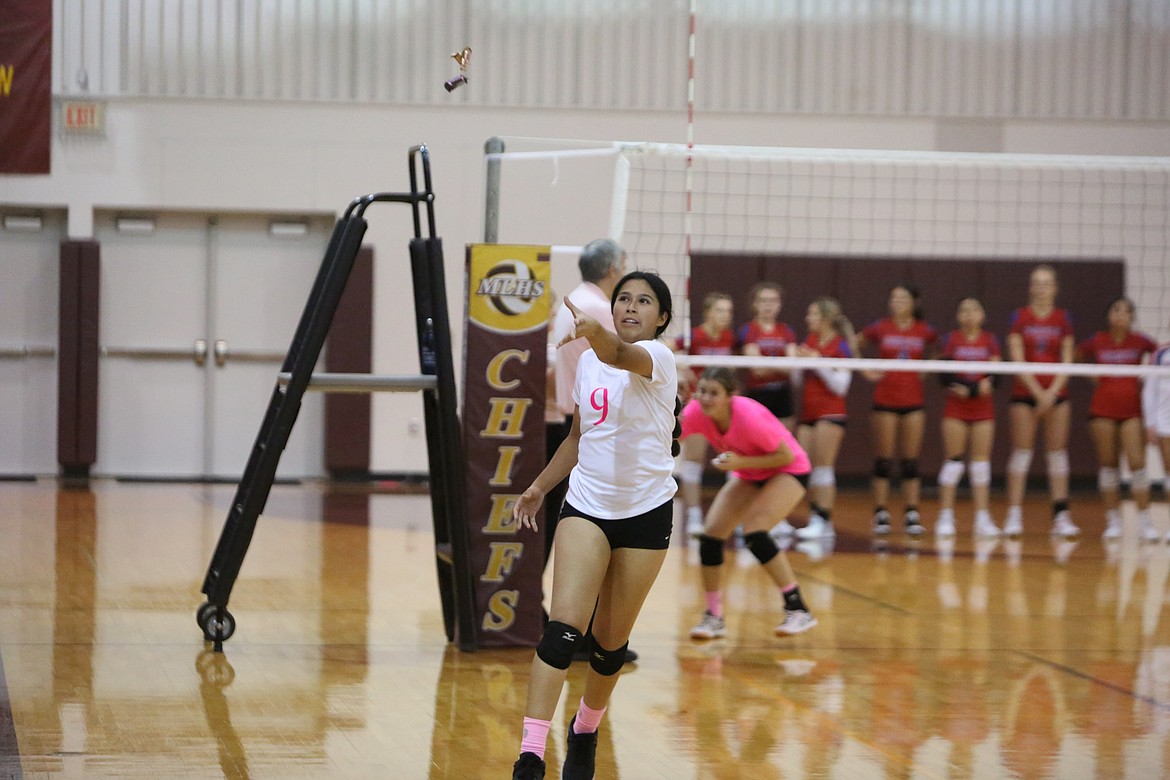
(602, 265)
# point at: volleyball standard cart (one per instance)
(436, 382)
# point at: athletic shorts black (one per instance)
(901, 411)
(1029, 401)
(778, 400)
(647, 531)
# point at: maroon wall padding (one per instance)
(77, 362)
(862, 284)
(348, 349)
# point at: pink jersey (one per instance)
(899, 389)
(702, 344)
(819, 401)
(1042, 337)
(753, 431)
(772, 343)
(1117, 397)
(956, 346)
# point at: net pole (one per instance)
(689, 176)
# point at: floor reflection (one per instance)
(933, 658)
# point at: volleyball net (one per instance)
(852, 224)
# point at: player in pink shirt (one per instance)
(713, 337)
(899, 415)
(1115, 416)
(1040, 333)
(968, 425)
(767, 468)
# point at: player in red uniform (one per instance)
(968, 425)
(822, 412)
(1040, 333)
(765, 335)
(713, 337)
(899, 415)
(1115, 416)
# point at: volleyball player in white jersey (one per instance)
(616, 520)
(1156, 412)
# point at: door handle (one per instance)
(221, 352)
(200, 351)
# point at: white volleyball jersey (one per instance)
(623, 461)
(1156, 395)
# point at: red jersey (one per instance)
(1117, 397)
(819, 401)
(702, 344)
(900, 389)
(772, 344)
(956, 346)
(1042, 339)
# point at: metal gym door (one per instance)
(30, 254)
(197, 314)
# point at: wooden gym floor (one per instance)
(1013, 659)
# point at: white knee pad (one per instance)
(1058, 463)
(1108, 478)
(1139, 481)
(1020, 461)
(690, 472)
(822, 476)
(950, 473)
(980, 473)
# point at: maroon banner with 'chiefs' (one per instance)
(26, 63)
(503, 434)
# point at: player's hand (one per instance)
(725, 461)
(1044, 401)
(526, 507)
(873, 376)
(985, 386)
(959, 389)
(583, 325)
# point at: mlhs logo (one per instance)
(510, 287)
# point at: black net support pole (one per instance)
(444, 444)
(436, 381)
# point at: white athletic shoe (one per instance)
(1062, 525)
(816, 549)
(817, 528)
(1013, 524)
(694, 521)
(796, 621)
(783, 528)
(881, 522)
(710, 627)
(985, 526)
(945, 525)
(1113, 526)
(1146, 524)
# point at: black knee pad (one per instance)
(910, 468)
(710, 551)
(607, 662)
(762, 546)
(883, 468)
(558, 644)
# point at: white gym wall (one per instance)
(294, 108)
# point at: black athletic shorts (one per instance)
(647, 531)
(1030, 401)
(901, 411)
(777, 399)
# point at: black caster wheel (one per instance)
(205, 611)
(217, 629)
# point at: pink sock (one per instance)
(715, 602)
(588, 719)
(790, 587)
(535, 736)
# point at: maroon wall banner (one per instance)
(503, 434)
(26, 64)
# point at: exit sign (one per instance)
(83, 116)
